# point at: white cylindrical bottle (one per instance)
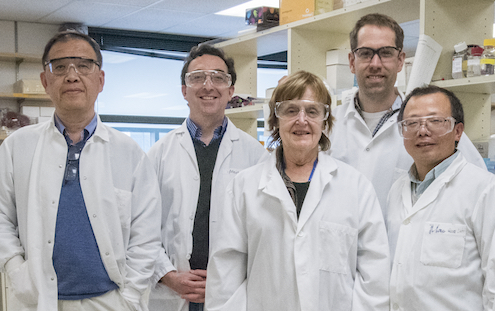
(459, 61)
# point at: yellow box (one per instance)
(294, 10)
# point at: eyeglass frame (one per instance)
(327, 110)
(48, 63)
(452, 120)
(375, 52)
(210, 72)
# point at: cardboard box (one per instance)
(25, 86)
(294, 10)
(263, 17)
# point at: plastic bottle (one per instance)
(488, 57)
(473, 62)
(459, 61)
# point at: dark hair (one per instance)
(377, 20)
(206, 49)
(455, 103)
(294, 87)
(65, 36)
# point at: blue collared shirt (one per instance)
(418, 187)
(87, 133)
(197, 133)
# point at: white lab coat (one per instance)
(335, 257)
(381, 158)
(122, 199)
(443, 245)
(175, 162)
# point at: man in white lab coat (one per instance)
(79, 201)
(365, 132)
(194, 164)
(441, 215)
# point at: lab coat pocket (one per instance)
(124, 201)
(22, 284)
(335, 241)
(443, 244)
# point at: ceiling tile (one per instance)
(199, 6)
(89, 13)
(152, 19)
(210, 26)
(29, 10)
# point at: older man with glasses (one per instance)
(364, 134)
(194, 164)
(79, 201)
(441, 216)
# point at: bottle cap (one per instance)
(461, 46)
(476, 51)
(489, 42)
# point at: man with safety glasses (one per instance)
(441, 216)
(194, 164)
(364, 134)
(79, 201)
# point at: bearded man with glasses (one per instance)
(364, 134)
(79, 201)
(441, 216)
(194, 164)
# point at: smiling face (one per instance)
(426, 149)
(300, 133)
(207, 100)
(376, 77)
(73, 93)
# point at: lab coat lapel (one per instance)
(321, 179)
(186, 142)
(225, 148)
(271, 184)
(434, 190)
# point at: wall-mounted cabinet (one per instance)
(446, 21)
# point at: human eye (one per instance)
(218, 77)
(411, 123)
(364, 53)
(196, 77)
(386, 52)
(58, 66)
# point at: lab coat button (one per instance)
(53, 279)
(196, 177)
(407, 221)
(94, 215)
(301, 234)
(85, 177)
(188, 256)
(367, 149)
(107, 253)
(395, 306)
(49, 242)
(60, 166)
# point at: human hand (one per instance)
(190, 285)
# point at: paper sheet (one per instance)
(425, 62)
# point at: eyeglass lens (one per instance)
(72, 168)
(62, 66)
(384, 53)
(217, 78)
(291, 109)
(435, 125)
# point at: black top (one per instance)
(301, 190)
(206, 156)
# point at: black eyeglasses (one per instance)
(385, 53)
(72, 163)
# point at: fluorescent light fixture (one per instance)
(240, 10)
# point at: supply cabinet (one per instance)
(446, 21)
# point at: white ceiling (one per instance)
(186, 17)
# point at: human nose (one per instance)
(423, 128)
(301, 116)
(72, 74)
(205, 84)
